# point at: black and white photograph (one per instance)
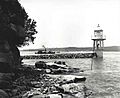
(59, 48)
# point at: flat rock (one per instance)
(73, 87)
(75, 90)
(74, 78)
(38, 96)
(55, 96)
(55, 65)
(51, 65)
(48, 96)
(69, 78)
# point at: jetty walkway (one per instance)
(59, 56)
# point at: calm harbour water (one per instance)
(103, 75)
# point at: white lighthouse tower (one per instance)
(98, 41)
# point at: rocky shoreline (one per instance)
(39, 82)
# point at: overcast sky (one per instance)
(70, 23)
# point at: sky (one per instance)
(70, 23)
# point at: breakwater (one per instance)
(59, 56)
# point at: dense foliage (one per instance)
(15, 25)
(30, 30)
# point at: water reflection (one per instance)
(97, 64)
(104, 78)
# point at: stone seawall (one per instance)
(59, 56)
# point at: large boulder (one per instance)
(50, 65)
(41, 65)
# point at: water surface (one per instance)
(103, 75)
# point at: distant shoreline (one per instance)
(68, 49)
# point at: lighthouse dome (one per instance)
(98, 29)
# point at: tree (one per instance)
(30, 31)
(15, 25)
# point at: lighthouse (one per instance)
(98, 41)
